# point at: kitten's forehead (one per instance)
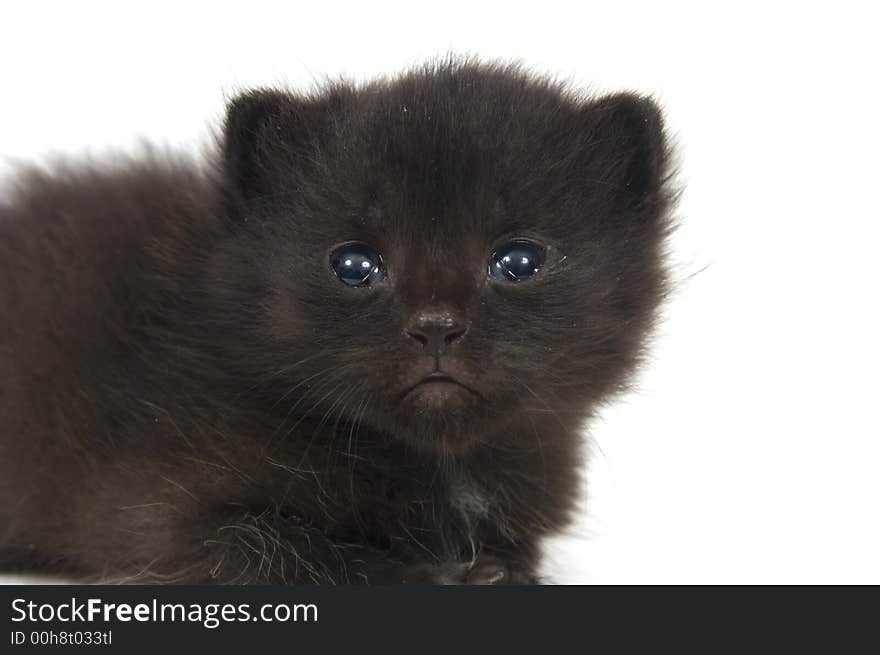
(430, 218)
(458, 160)
(447, 156)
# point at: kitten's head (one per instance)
(448, 255)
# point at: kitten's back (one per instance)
(78, 268)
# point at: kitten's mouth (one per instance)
(437, 388)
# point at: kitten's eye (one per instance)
(516, 261)
(357, 265)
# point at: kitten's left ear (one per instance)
(627, 140)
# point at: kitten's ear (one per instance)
(265, 134)
(627, 140)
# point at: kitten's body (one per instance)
(187, 394)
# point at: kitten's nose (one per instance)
(436, 331)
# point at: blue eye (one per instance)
(357, 265)
(516, 261)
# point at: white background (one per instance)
(750, 451)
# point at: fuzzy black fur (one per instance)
(188, 394)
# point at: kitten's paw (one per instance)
(450, 573)
(484, 571)
(493, 571)
(489, 571)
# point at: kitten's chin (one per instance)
(441, 417)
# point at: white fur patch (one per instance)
(469, 500)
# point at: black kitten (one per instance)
(359, 349)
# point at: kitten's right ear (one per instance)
(248, 117)
(264, 134)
